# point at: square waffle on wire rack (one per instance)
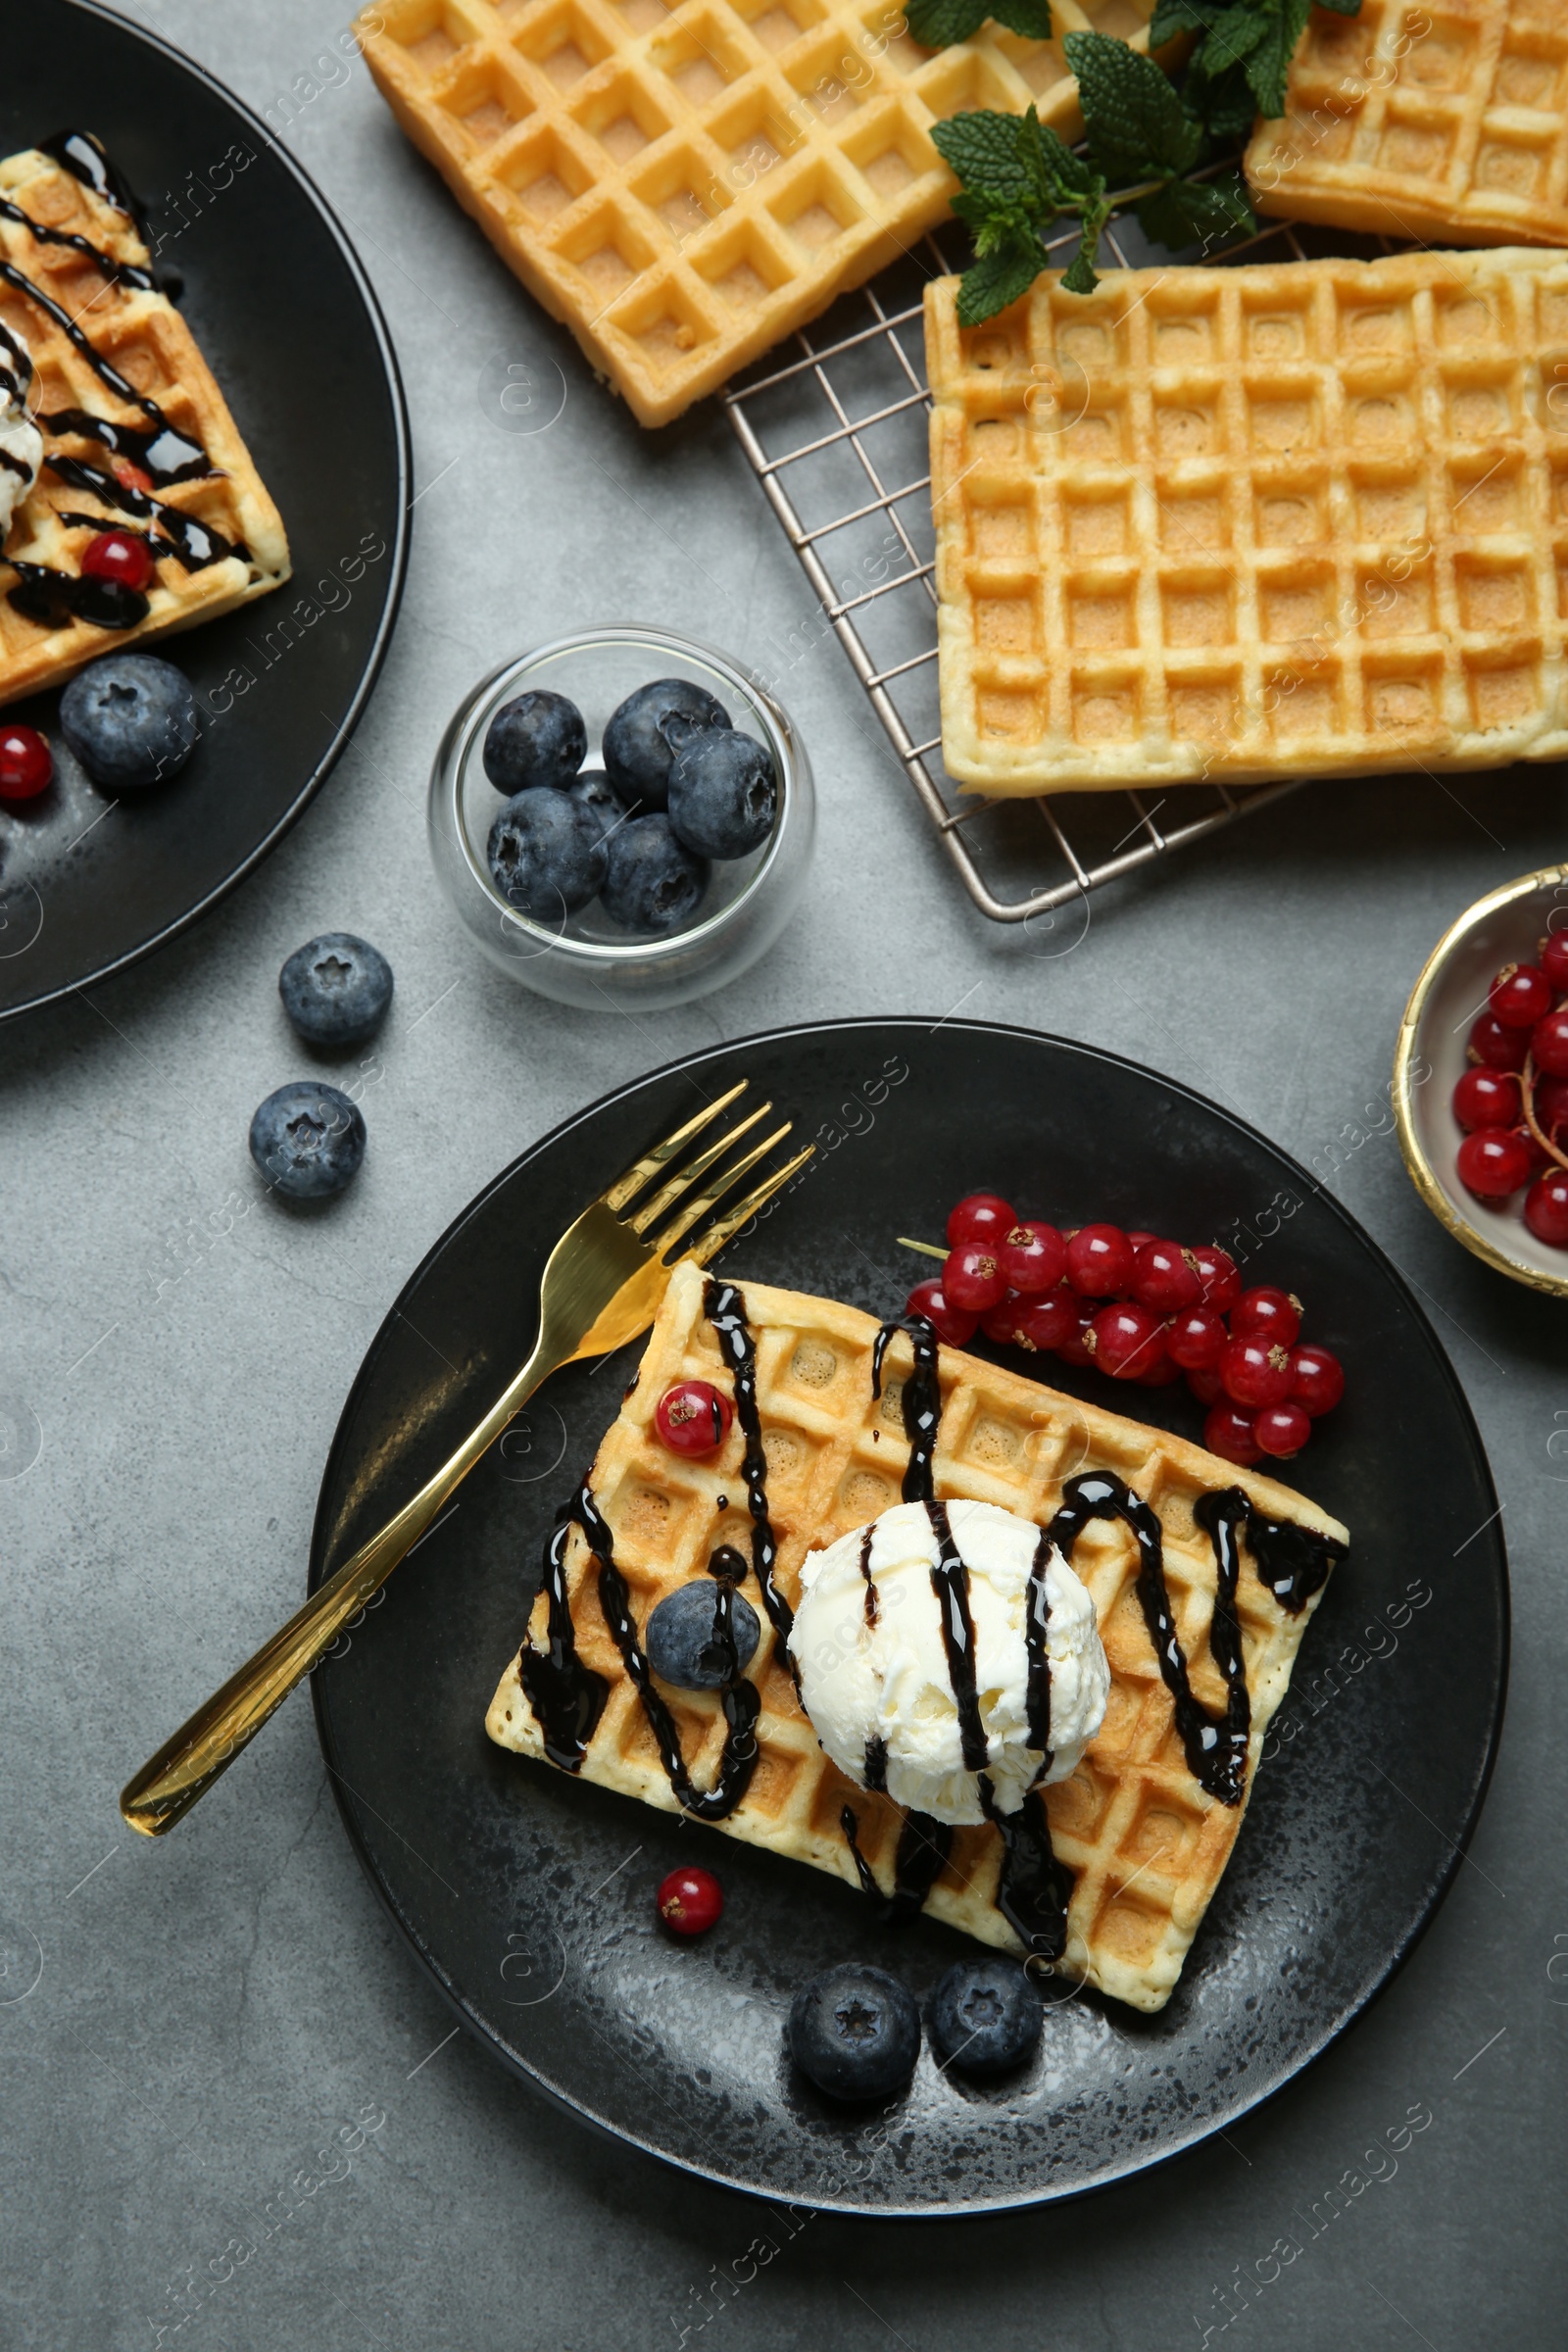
(1146, 1844)
(1304, 518)
(137, 333)
(1447, 122)
(682, 186)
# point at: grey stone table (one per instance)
(210, 2007)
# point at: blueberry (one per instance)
(308, 1139)
(537, 738)
(653, 883)
(547, 854)
(986, 2014)
(336, 989)
(723, 794)
(648, 730)
(679, 1637)
(130, 719)
(855, 2032)
(592, 789)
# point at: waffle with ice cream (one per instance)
(127, 430)
(685, 186)
(1297, 519)
(812, 1455)
(1446, 125)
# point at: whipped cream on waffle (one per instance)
(20, 442)
(873, 1639)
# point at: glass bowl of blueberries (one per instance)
(622, 817)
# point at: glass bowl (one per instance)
(585, 960)
(1507, 926)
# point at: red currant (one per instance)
(690, 1901)
(1496, 1046)
(1554, 958)
(1099, 1261)
(949, 1322)
(1036, 1324)
(1216, 1272)
(1282, 1429)
(1125, 1340)
(972, 1278)
(980, 1217)
(1487, 1098)
(1255, 1371)
(1539, 1157)
(1519, 996)
(1266, 1313)
(25, 763)
(1317, 1380)
(1549, 1043)
(1165, 1277)
(1551, 1105)
(1547, 1208)
(1072, 1349)
(1228, 1432)
(123, 557)
(1206, 1384)
(1034, 1257)
(1493, 1163)
(693, 1417)
(132, 477)
(1137, 1237)
(1197, 1339)
(1160, 1374)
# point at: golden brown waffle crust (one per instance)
(142, 335)
(1147, 1845)
(684, 187)
(1447, 125)
(1292, 519)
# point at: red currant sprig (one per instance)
(1143, 1309)
(1512, 1101)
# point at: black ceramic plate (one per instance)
(286, 318)
(528, 1896)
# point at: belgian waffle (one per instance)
(1308, 518)
(233, 540)
(684, 186)
(1146, 1844)
(1449, 124)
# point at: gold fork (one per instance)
(601, 1286)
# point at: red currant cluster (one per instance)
(1142, 1309)
(1513, 1102)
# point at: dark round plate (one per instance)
(287, 321)
(529, 1895)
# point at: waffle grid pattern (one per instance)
(1306, 518)
(682, 186)
(143, 336)
(1447, 123)
(1147, 1847)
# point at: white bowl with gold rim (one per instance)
(1507, 926)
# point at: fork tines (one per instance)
(688, 1194)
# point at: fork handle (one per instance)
(185, 1767)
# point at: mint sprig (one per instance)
(1146, 138)
(937, 23)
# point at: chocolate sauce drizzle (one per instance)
(924, 1848)
(122, 273)
(194, 542)
(567, 1698)
(86, 159)
(726, 1308)
(871, 1601)
(165, 456)
(1036, 1635)
(919, 1400)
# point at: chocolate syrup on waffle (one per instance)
(1036, 1632)
(194, 542)
(726, 1308)
(872, 1603)
(86, 159)
(567, 1698)
(122, 273)
(924, 1848)
(163, 455)
(1035, 1886)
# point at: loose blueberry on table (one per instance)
(308, 1140)
(985, 2016)
(336, 989)
(1512, 1101)
(1141, 1308)
(130, 719)
(690, 1901)
(855, 2032)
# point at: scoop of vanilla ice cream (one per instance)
(20, 442)
(877, 1669)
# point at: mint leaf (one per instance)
(997, 281)
(1031, 19)
(1234, 34)
(1189, 212)
(1080, 275)
(1269, 63)
(983, 149)
(1133, 117)
(1172, 17)
(936, 24)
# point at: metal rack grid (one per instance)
(845, 420)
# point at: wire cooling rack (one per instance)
(838, 439)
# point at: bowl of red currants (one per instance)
(1481, 1080)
